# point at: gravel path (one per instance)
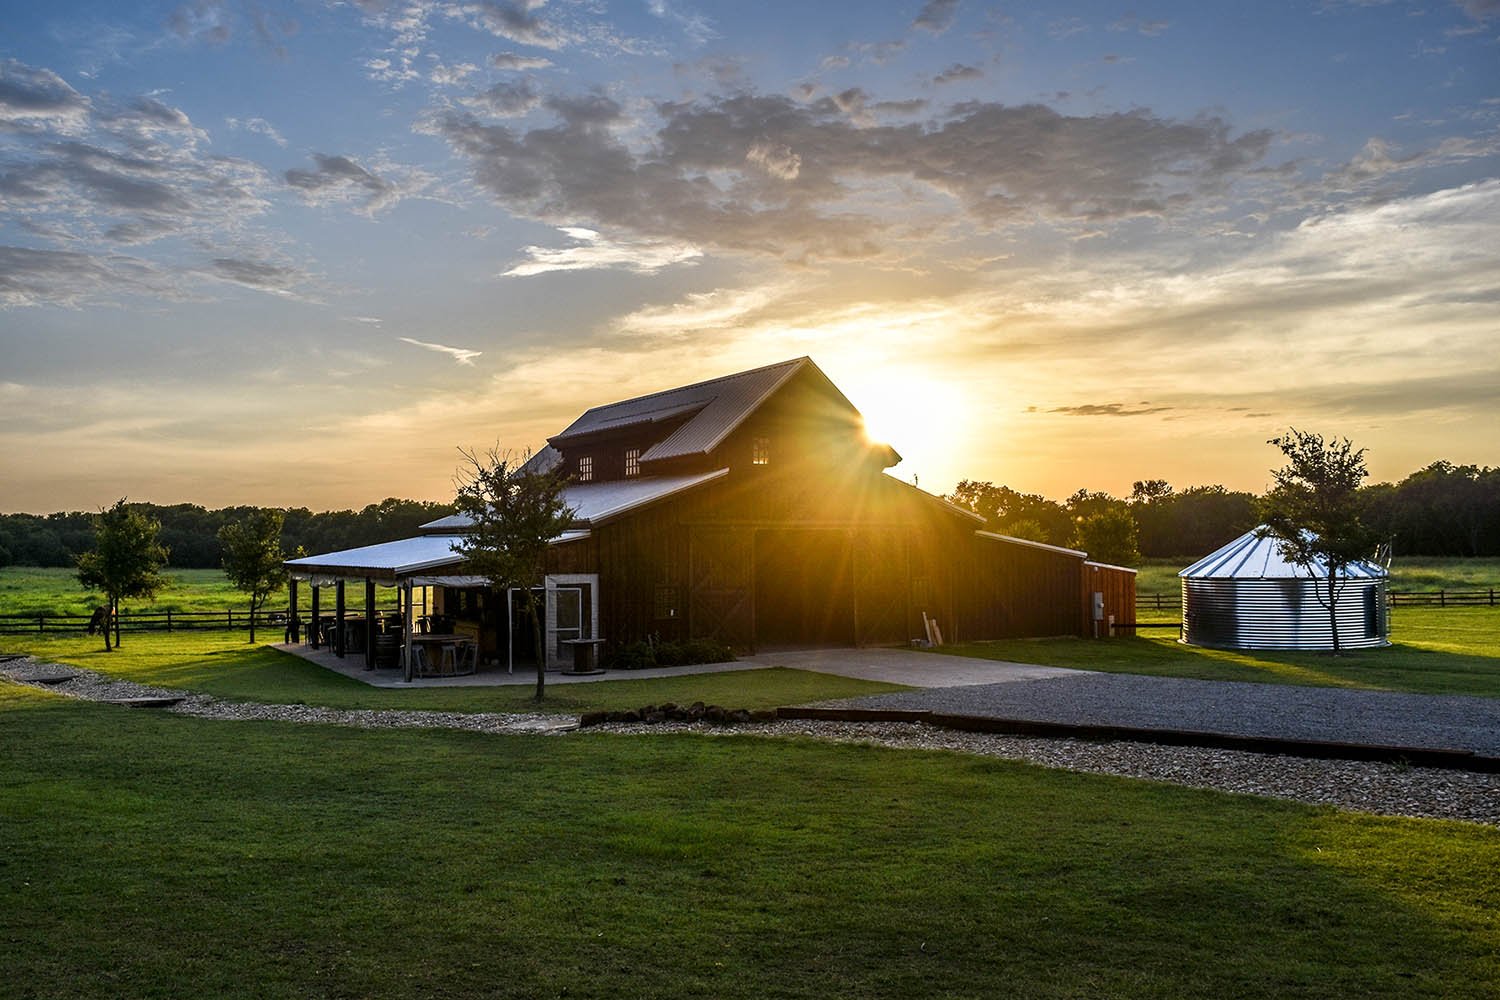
(1379, 718)
(1385, 789)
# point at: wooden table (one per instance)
(432, 646)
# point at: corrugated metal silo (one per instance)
(1247, 595)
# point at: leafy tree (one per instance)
(1108, 536)
(1313, 509)
(1004, 510)
(1028, 529)
(515, 514)
(253, 558)
(126, 560)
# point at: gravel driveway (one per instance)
(1379, 718)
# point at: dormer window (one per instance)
(760, 451)
(585, 468)
(632, 462)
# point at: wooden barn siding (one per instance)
(1015, 590)
(1118, 587)
(910, 556)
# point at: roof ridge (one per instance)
(697, 385)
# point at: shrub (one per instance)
(643, 655)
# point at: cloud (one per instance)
(506, 99)
(1110, 410)
(31, 277)
(957, 72)
(130, 174)
(444, 75)
(259, 126)
(1481, 11)
(702, 177)
(35, 99)
(515, 61)
(1131, 23)
(695, 27)
(517, 22)
(593, 252)
(201, 21)
(775, 159)
(341, 179)
(936, 16)
(258, 275)
(459, 354)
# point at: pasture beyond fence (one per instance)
(163, 621)
(1395, 598)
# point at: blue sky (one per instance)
(301, 252)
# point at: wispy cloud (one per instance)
(593, 252)
(259, 126)
(459, 354)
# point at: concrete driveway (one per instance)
(906, 666)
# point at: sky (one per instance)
(299, 253)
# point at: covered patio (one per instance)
(445, 622)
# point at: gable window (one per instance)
(760, 451)
(632, 461)
(585, 468)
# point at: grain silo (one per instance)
(1247, 595)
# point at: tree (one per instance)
(515, 513)
(252, 557)
(126, 560)
(1108, 536)
(1313, 510)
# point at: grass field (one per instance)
(1159, 576)
(154, 855)
(31, 590)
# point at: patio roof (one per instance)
(398, 560)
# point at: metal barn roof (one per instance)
(593, 503)
(713, 408)
(1255, 557)
(398, 558)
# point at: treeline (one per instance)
(1441, 510)
(191, 532)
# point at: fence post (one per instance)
(230, 612)
(169, 619)
(1442, 598)
(41, 624)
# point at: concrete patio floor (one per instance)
(893, 666)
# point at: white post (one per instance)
(510, 632)
(406, 628)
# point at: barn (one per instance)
(751, 509)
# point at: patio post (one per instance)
(315, 637)
(369, 623)
(338, 618)
(294, 626)
(406, 623)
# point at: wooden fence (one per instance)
(1396, 599)
(168, 621)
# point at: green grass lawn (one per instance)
(154, 855)
(225, 665)
(1433, 651)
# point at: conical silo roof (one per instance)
(1254, 556)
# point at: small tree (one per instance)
(1313, 508)
(515, 514)
(1109, 536)
(126, 561)
(253, 559)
